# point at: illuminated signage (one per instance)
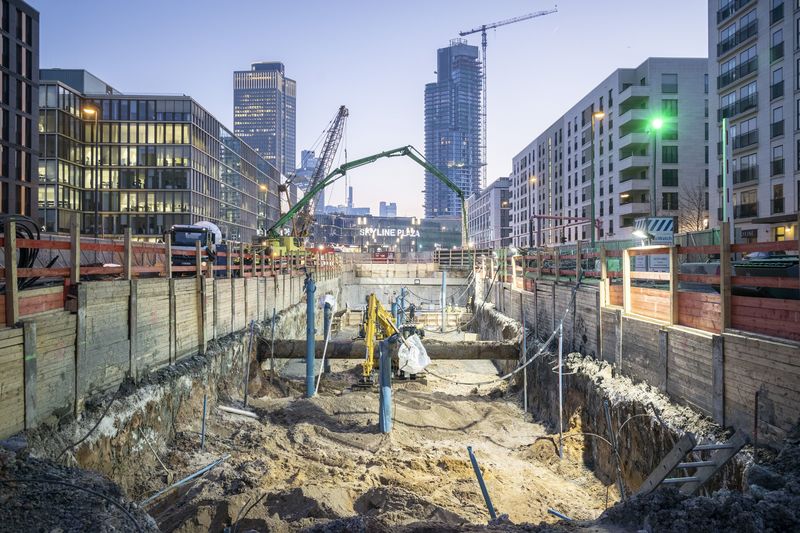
(388, 232)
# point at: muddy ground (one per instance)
(307, 463)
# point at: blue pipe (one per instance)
(560, 515)
(326, 317)
(485, 492)
(385, 407)
(310, 289)
(402, 313)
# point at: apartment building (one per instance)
(644, 132)
(754, 61)
(488, 216)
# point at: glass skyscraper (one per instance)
(265, 113)
(453, 127)
(145, 162)
(19, 59)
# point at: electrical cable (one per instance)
(74, 486)
(26, 228)
(105, 412)
(536, 356)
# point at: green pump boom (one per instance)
(408, 151)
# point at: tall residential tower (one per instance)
(265, 113)
(453, 127)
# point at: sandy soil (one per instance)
(306, 463)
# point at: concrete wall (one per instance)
(717, 375)
(128, 330)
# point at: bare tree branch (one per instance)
(692, 212)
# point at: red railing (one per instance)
(127, 259)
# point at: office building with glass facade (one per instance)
(453, 127)
(145, 162)
(265, 113)
(19, 73)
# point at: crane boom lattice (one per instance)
(482, 30)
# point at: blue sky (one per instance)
(374, 57)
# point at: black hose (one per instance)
(26, 228)
(71, 485)
(105, 412)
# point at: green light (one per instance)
(658, 123)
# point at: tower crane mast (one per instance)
(482, 30)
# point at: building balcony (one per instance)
(776, 129)
(776, 90)
(745, 69)
(633, 186)
(745, 210)
(741, 211)
(740, 36)
(634, 115)
(634, 162)
(634, 208)
(776, 167)
(632, 139)
(633, 96)
(734, 6)
(776, 14)
(745, 175)
(776, 52)
(748, 103)
(745, 139)
(777, 206)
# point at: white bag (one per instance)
(412, 356)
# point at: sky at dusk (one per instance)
(374, 57)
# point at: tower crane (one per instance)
(482, 29)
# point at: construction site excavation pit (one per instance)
(302, 463)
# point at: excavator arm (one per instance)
(407, 151)
(378, 325)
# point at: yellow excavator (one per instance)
(378, 324)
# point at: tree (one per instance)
(692, 208)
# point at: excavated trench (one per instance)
(318, 463)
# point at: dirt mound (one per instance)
(771, 503)
(39, 495)
(310, 502)
(398, 505)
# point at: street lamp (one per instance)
(597, 115)
(656, 124)
(94, 113)
(262, 208)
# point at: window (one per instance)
(777, 37)
(777, 114)
(747, 19)
(669, 108)
(669, 177)
(728, 66)
(669, 83)
(705, 83)
(669, 154)
(727, 32)
(748, 54)
(669, 201)
(669, 132)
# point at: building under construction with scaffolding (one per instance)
(453, 127)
